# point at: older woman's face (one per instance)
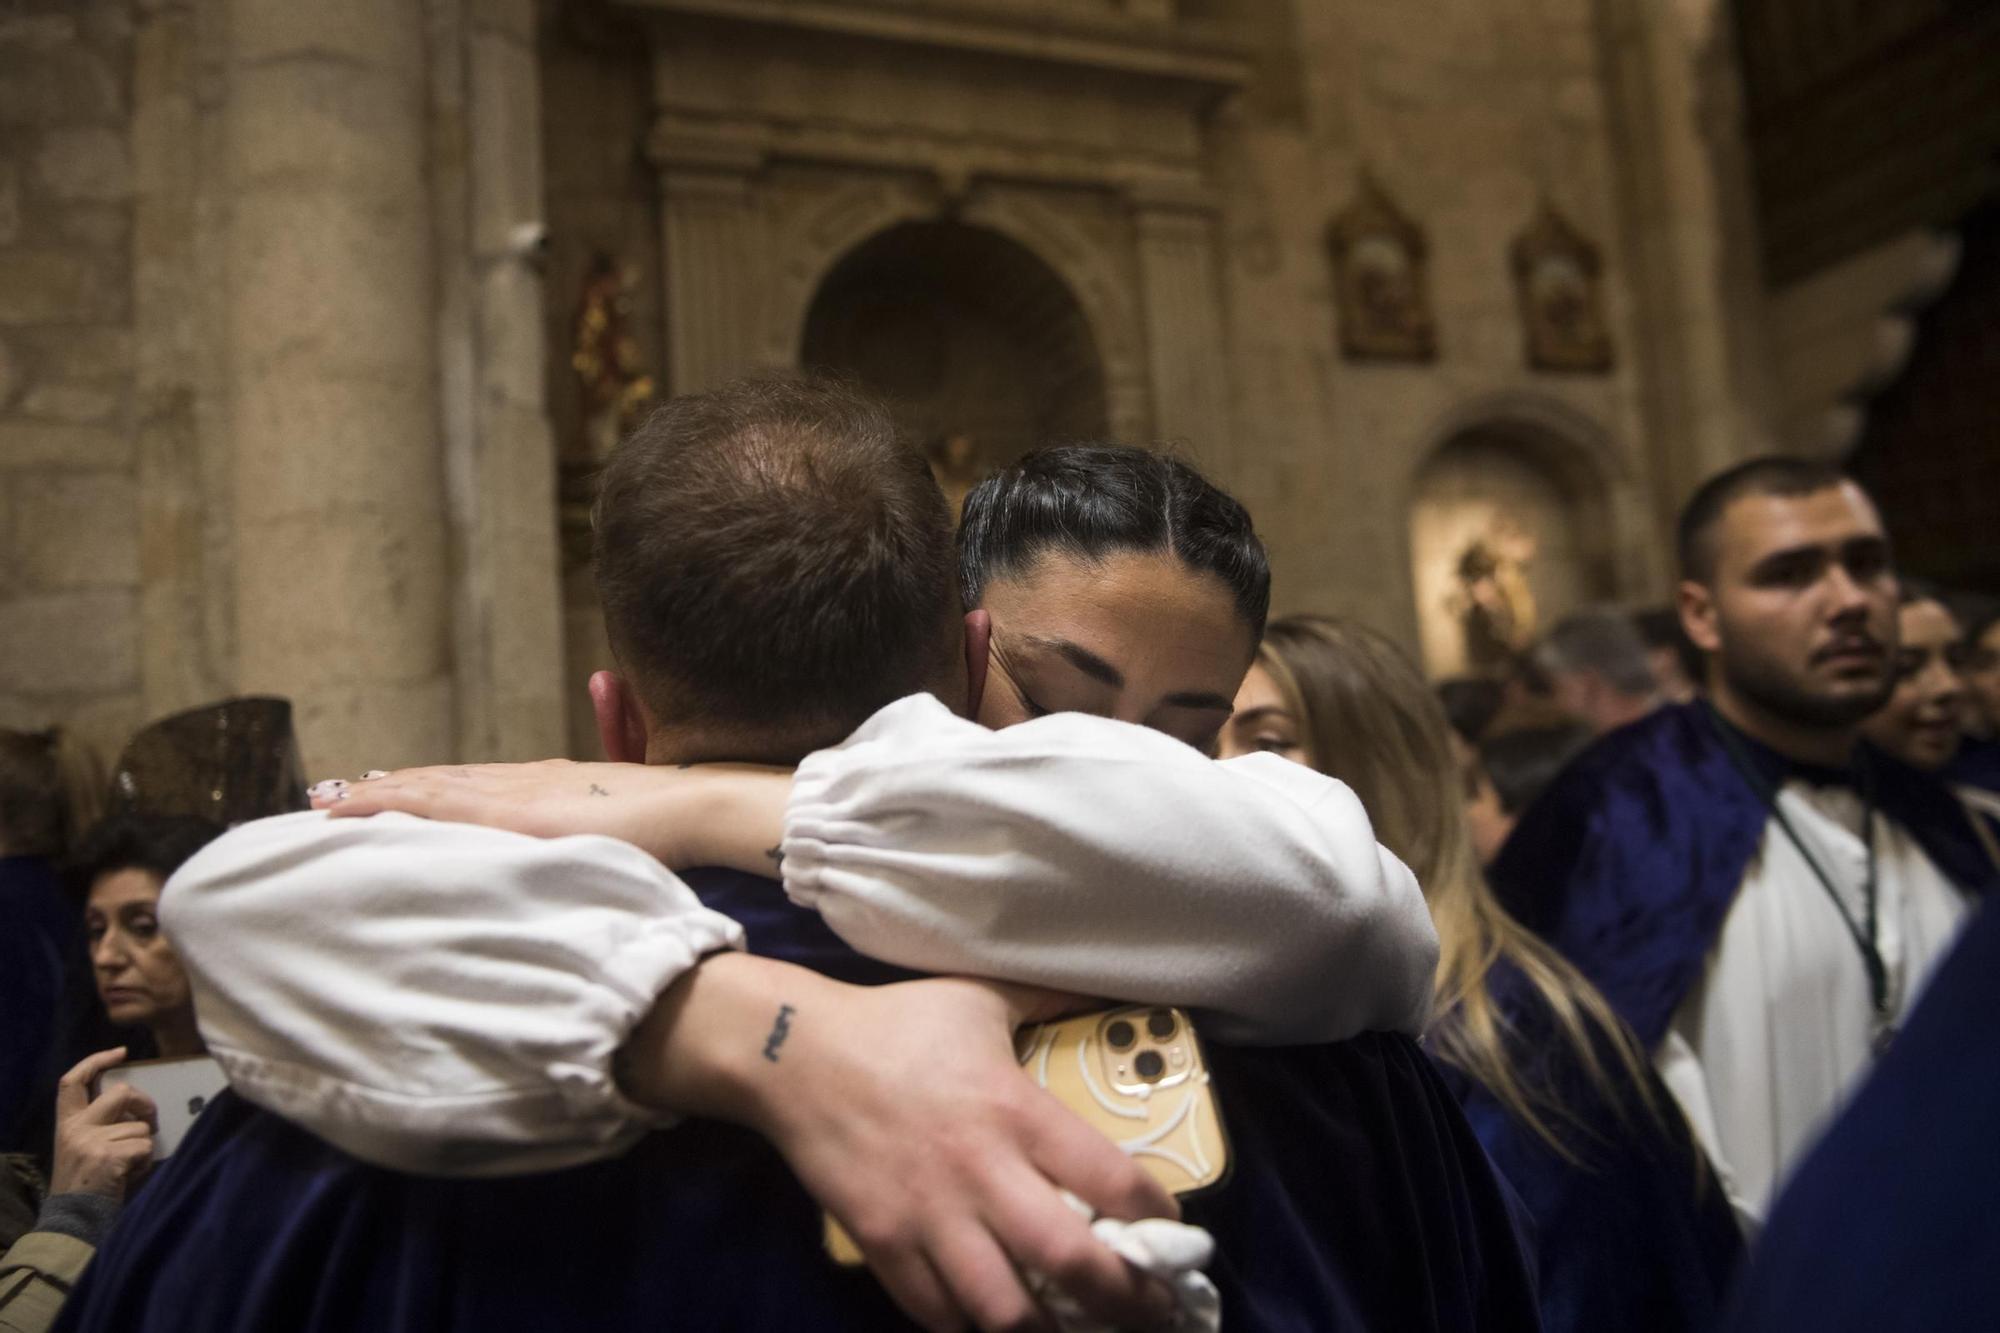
(1138, 637)
(1921, 722)
(138, 976)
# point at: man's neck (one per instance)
(1808, 743)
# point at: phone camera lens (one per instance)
(1120, 1035)
(1161, 1024)
(1150, 1065)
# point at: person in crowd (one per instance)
(119, 871)
(1598, 669)
(1448, 1198)
(1631, 1232)
(1514, 767)
(1888, 1224)
(1922, 724)
(1677, 664)
(1758, 895)
(47, 797)
(103, 1149)
(103, 1141)
(1981, 618)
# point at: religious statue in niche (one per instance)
(613, 392)
(1558, 282)
(1381, 280)
(1490, 597)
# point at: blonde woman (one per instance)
(1632, 1231)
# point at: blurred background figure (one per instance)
(49, 793)
(1982, 667)
(227, 763)
(1632, 1232)
(1512, 768)
(1923, 722)
(1598, 668)
(1675, 660)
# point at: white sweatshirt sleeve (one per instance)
(434, 997)
(1108, 859)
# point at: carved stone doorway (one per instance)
(983, 350)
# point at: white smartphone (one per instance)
(181, 1090)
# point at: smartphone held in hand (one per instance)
(181, 1089)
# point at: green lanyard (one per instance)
(1862, 932)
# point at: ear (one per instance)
(621, 725)
(978, 644)
(1696, 604)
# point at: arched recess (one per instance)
(1512, 523)
(971, 335)
(816, 240)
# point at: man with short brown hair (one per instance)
(1759, 893)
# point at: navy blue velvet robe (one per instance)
(1359, 1198)
(1636, 1235)
(41, 934)
(1631, 859)
(1893, 1221)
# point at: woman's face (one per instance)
(1921, 722)
(138, 976)
(1137, 636)
(1263, 721)
(1982, 673)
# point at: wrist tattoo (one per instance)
(596, 790)
(779, 1031)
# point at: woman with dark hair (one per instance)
(1632, 1231)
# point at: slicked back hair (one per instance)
(1090, 501)
(775, 564)
(1772, 474)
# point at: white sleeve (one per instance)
(433, 997)
(1107, 859)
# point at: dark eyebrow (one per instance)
(1268, 710)
(1089, 663)
(1200, 700)
(1790, 555)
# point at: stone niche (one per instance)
(835, 178)
(1509, 530)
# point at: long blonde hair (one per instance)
(1367, 717)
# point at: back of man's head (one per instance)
(775, 565)
(1602, 640)
(1772, 474)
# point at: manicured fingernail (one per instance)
(324, 789)
(374, 773)
(340, 795)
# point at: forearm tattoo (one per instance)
(596, 790)
(779, 1031)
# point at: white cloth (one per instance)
(1173, 1252)
(447, 999)
(1098, 857)
(433, 997)
(1780, 1030)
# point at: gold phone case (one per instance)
(1136, 1074)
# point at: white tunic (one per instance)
(1780, 1030)
(446, 998)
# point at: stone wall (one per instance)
(69, 529)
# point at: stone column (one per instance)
(331, 376)
(499, 456)
(713, 247)
(1186, 355)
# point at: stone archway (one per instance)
(971, 335)
(1510, 527)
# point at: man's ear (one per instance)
(978, 643)
(1696, 604)
(621, 725)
